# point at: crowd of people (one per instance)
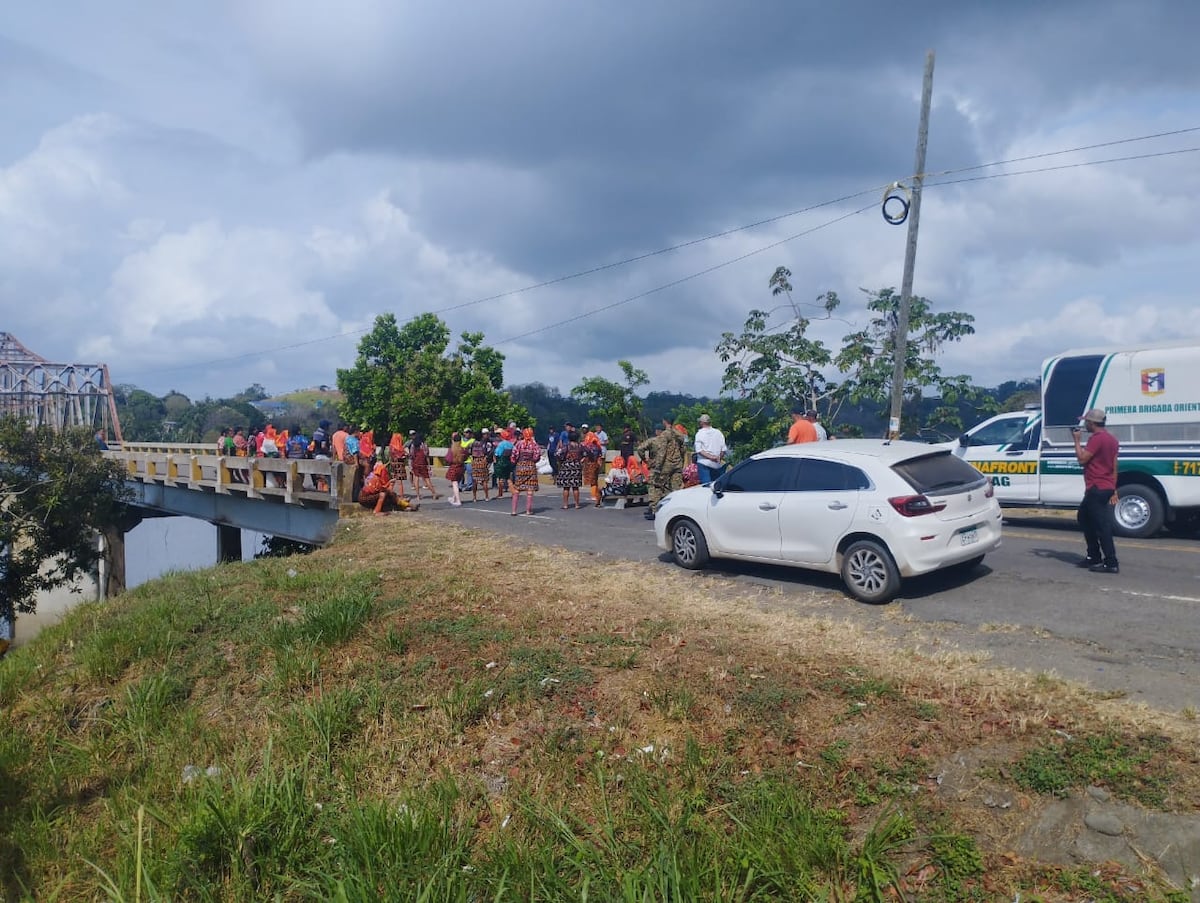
(507, 461)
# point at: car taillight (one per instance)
(914, 505)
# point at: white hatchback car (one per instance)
(873, 511)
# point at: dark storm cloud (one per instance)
(218, 183)
(635, 128)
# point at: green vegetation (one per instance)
(369, 722)
(56, 492)
(1133, 768)
(775, 364)
(404, 378)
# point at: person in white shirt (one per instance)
(822, 434)
(602, 436)
(710, 451)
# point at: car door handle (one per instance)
(1013, 454)
(837, 506)
(766, 506)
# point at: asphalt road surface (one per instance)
(1134, 635)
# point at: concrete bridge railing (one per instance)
(295, 481)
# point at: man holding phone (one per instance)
(1099, 460)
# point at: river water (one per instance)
(156, 546)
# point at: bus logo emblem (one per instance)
(1154, 381)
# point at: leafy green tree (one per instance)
(611, 403)
(400, 378)
(176, 404)
(746, 429)
(254, 392)
(476, 400)
(403, 378)
(1015, 395)
(141, 414)
(868, 356)
(57, 491)
(774, 364)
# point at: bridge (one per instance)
(41, 392)
(276, 496)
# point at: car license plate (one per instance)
(969, 536)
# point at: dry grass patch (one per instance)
(516, 722)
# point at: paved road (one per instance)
(1136, 634)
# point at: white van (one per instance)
(1152, 397)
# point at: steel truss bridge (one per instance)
(55, 395)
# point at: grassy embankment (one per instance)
(421, 712)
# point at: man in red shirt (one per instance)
(802, 429)
(1099, 460)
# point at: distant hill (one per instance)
(316, 397)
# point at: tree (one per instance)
(141, 413)
(868, 355)
(400, 378)
(476, 400)
(774, 364)
(612, 404)
(746, 431)
(403, 379)
(253, 392)
(57, 490)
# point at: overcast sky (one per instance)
(189, 192)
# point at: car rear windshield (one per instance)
(940, 472)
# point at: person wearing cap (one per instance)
(667, 455)
(710, 451)
(321, 449)
(1099, 459)
(502, 461)
(815, 419)
(802, 429)
(481, 458)
(468, 440)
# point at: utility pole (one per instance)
(910, 252)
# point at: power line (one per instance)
(1077, 165)
(1072, 150)
(680, 281)
(724, 233)
(528, 288)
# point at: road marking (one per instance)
(1129, 592)
(1075, 538)
(509, 513)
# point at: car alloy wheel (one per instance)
(869, 572)
(688, 546)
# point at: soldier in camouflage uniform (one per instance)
(666, 454)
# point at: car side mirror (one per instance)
(964, 440)
(718, 487)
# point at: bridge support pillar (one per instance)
(229, 543)
(112, 574)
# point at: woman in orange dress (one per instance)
(377, 491)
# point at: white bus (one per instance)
(1152, 397)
